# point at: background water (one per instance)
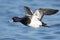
(18, 31)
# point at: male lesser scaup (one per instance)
(34, 19)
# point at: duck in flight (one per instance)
(34, 19)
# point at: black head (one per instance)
(24, 20)
(16, 19)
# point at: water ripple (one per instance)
(56, 5)
(57, 32)
(49, 37)
(7, 39)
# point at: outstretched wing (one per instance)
(38, 14)
(41, 12)
(28, 11)
(48, 11)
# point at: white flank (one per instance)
(35, 22)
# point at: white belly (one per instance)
(35, 24)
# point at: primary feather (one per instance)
(48, 11)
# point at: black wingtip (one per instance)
(51, 12)
(26, 7)
(27, 10)
(56, 11)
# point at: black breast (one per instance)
(25, 20)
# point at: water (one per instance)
(18, 31)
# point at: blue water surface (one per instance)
(18, 31)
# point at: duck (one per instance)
(34, 19)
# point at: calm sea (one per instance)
(18, 31)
